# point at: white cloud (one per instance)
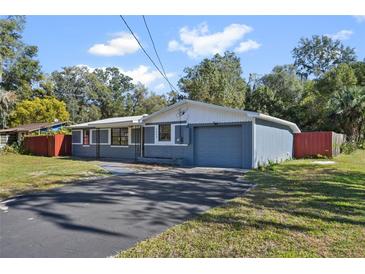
(360, 18)
(141, 74)
(341, 35)
(198, 41)
(144, 74)
(122, 44)
(159, 87)
(247, 45)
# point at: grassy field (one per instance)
(21, 174)
(298, 209)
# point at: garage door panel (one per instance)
(218, 146)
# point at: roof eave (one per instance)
(292, 126)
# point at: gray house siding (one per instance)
(149, 135)
(105, 151)
(242, 144)
(186, 151)
(247, 128)
(180, 151)
(84, 151)
(116, 152)
(182, 134)
(273, 142)
(165, 152)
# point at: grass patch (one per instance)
(298, 209)
(21, 174)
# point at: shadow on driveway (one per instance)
(101, 217)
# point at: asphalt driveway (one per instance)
(99, 218)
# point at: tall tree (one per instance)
(7, 100)
(101, 92)
(116, 88)
(19, 70)
(71, 87)
(347, 112)
(359, 70)
(336, 79)
(39, 110)
(217, 80)
(276, 93)
(318, 54)
(140, 101)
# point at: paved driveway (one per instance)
(99, 218)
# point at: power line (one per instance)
(153, 44)
(154, 48)
(145, 52)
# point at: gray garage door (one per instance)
(218, 146)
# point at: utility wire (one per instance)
(154, 48)
(145, 52)
(153, 44)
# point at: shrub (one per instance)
(348, 147)
(270, 165)
(15, 148)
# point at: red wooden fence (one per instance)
(56, 145)
(326, 143)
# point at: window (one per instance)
(120, 136)
(164, 132)
(86, 137)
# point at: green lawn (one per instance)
(298, 209)
(20, 173)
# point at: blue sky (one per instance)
(260, 41)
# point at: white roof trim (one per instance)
(115, 121)
(251, 114)
(269, 118)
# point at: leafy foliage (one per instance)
(39, 110)
(217, 80)
(316, 55)
(7, 100)
(15, 148)
(348, 112)
(322, 90)
(19, 70)
(102, 93)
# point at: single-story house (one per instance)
(11, 135)
(190, 133)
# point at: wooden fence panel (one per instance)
(56, 145)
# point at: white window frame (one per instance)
(82, 137)
(80, 130)
(130, 143)
(166, 143)
(104, 129)
(110, 138)
(158, 133)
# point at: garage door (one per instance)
(218, 146)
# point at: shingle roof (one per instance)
(31, 127)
